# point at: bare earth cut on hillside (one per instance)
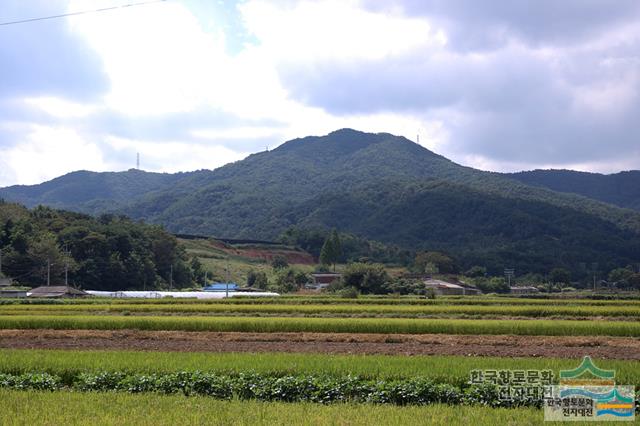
(330, 343)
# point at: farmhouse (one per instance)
(449, 289)
(323, 280)
(7, 289)
(12, 293)
(56, 291)
(528, 289)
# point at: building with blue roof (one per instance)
(221, 287)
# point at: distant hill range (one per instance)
(90, 192)
(382, 187)
(621, 189)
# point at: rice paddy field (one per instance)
(67, 408)
(297, 360)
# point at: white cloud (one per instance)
(157, 57)
(313, 31)
(48, 152)
(317, 66)
(60, 108)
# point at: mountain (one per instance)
(621, 189)
(90, 192)
(389, 189)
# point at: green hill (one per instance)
(90, 192)
(387, 188)
(621, 189)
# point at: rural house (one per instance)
(323, 280)
(524, 290)
(444, 288)
(56, 291)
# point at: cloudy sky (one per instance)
(190, 84)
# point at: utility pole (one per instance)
(227, 283)
(67, 253)
(0, 262)
(171, 277)
(48, 272)
(509, 272)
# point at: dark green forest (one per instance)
(104, 253)
(621, 189)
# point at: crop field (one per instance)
(359, 310)
(440, 369)
(333, 300)
(324, 325)
(70, 408)
(325, 360)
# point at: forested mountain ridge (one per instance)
(621, 189)
(387, 188)
(257, 197)
(90, 192)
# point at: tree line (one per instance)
(108, 253)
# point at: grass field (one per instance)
(317, 314)
(362, 310)
(330, 299)
(441, 369)
(336, 325)
(58, 408)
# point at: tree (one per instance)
(476, 271)
(493, 285)
(331, 250)
(366, 277)
(257, 280)
(279, 262)
(301, 278)
(197, 270)
(251, 278)
(560, 276)
(621, 277)
(48, 259)
(431, 262)
(285, 281)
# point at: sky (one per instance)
(195, 84)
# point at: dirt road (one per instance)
(333, 343)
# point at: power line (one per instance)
(83, 12)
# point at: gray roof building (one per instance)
(56, 291)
